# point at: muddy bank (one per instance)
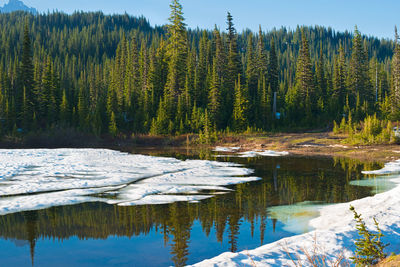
(317, 144)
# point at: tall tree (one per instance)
(240, 108)
(25, 94)
(177, 55)
(395, 93)
(358, 72)
(273, 73)
(305, 79)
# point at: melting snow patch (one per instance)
(41, 178)
(250, 154)
(226, 149)
(264, 153)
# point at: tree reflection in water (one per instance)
(285, 181)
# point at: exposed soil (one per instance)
(324, 144)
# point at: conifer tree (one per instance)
(395, 94)
(358, 71)
(273, 74)
(25, 96)
(240, 108)
(214, 103)
(64, 109)
(177, 55)
(339, 83)
(112, 128)
(252, 81)
(304, 92)
(320, 75)
(262, 59)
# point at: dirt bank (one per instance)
(324, 144)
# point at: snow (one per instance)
(264, 153)
(334, 231)
(390, 168)
(226, 149)
(42, 178)
(248, 154)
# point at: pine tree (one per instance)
(177, 55)
(214, 102)
(304, 92)
(320, 75)
(234, 67)
(25, 96)
(64, 110)
(273, 73)
(358, 71)
(262, 60)
(339, 83)
(240, 108)
(112, 127)
(395, 93)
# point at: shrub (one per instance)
(369, 247)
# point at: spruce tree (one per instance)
(395, 93)
(262, 58)
(177, 55)
(273, 73)
(304, 95)
(25, 95)
(358, 71)
(214, 101)
(240, 108)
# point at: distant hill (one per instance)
(16, 5)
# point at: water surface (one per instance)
(255, 213)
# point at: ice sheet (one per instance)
(334, 234)
(41, 178)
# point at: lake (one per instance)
(236, 217)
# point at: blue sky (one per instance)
(373, 17)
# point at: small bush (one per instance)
(369, 247)
(370, 131)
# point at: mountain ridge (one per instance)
(17, 5)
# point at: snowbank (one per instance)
(264, 153)
(248, 154)
(226, 149)
(334, 232)
(41, 178)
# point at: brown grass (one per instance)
(392, 261)
(316, 257)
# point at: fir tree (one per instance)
(273, 74)
(177, 55)
(240, 108)
(26, 79)
(214, 103)
(395, 93)
(358, 71)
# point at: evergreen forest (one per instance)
(117, 75)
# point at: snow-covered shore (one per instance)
(334, 232)
(41, 178)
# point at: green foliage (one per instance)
(370, 131)
(112, 127)
(76, 70)
(369, 247)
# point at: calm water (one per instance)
(256, 213)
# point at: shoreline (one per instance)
(313, 144)
(301, 144)
(332, 240)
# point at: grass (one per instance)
(316, 257)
